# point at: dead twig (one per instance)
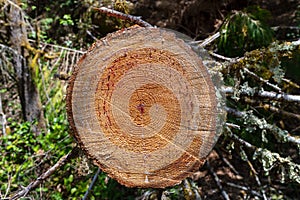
(2, 197)
(267, 94)
(62, 161)
(123, 16)
(262, 153)
(217, 180)
(235, 60)
(272, 128)
(272, 108)
(291, 83)
(207, 41)
(227, 162)
(254, 172)
(252, 192)
(210, 39)
(231, 125)
(58, 47)
(231, 60)
(92, 184)
(238, 139)
(262, 80)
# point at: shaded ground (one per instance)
(239, 181)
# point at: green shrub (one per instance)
(243, 31)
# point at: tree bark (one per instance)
(28, 93)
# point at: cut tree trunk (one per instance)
(143, 107)
(28, 93)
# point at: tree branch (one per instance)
(207, 41)
(119, 15)
(272, 128)
(267, 155)
(253, 192)
(238, 139)
(210, 39)
(217, 180)
(271, 108)
(262, 80)
(59, 47)
(62, 161)
(267, 94)
(254, 172)
(92, 184)
(227, 162)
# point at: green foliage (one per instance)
(51, 93)
(243, 31)
(258, 13)
(26, 155)
(45, 24)
(66, 20)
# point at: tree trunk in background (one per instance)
(28, 93)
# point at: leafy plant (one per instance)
(26, 155)
(66, 20)
(243, 31)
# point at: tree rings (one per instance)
(143, 107)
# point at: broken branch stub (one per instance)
(143, 107)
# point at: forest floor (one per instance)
(239, 179)
(225, 172)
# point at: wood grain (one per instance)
(143, 107)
